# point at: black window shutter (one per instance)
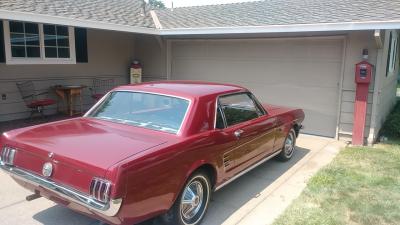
(81, 45)
(2, 52)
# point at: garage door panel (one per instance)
(197, 49)
(324, 49)
(301, 73)
(296, 97)
(273, 73)
(317, 123)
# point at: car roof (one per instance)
(185, 89)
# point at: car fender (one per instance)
(191, 169)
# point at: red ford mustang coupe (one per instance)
(153, 149)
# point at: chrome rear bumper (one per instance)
(108, 209)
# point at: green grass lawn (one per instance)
(361, 186)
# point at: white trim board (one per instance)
(324, 27)
(319, 27)
(156, 21)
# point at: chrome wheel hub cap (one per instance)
(192, 200)
(289, 145)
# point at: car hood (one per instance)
(88, 141)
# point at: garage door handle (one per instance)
(238, 133)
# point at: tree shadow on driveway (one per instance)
(224, 204)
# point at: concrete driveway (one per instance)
(256, 198)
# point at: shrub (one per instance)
(391, 127)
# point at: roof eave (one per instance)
(40, 18)
(294, 28)
(320, 27)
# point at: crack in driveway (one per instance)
(12, 204)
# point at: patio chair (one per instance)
(30, 97)
(101, 87)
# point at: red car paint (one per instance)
(148, 168)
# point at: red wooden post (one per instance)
(363, 75)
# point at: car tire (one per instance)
(192, 203)
(288, 147)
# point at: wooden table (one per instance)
(67, 93)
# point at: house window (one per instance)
(56, 41)
(32, 43)
(25, 41)
(392, 53)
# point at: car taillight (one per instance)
(100, 189)
(8, 155)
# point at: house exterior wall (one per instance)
(155, 57)
(109, 53)
(386, 87)
(152, 54)
(356, 42)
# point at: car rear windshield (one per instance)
(152, 111)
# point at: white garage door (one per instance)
(297, 72)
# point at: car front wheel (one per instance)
(190, 207)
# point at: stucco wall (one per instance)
(152, 53)
(385, 94)
(356, 42)
(110, 54)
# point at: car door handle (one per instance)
(238, 133)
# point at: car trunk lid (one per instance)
(80, 148)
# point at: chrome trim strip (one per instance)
(246, 170)
(106, 194)
(108, 209)
(11, 156)
(6, 153)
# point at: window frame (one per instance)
(218, 108)
(392, 53)
(42, 59)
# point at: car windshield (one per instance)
(152, 111)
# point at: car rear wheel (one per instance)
(288, 146)
(191, 205)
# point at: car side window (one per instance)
(238, 108)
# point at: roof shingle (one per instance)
(280, 12)
(120, 12)
(127, 15)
